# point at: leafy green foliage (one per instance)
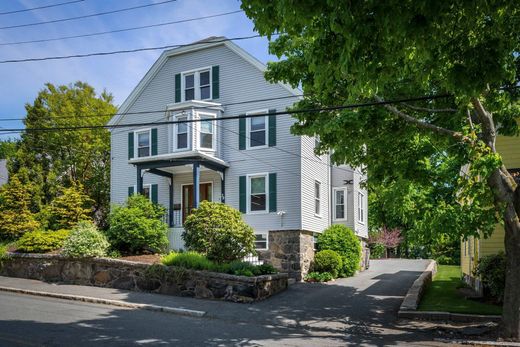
(52, 160)
(188, 260)
(7, 148)
(69, 207)
(197, 261)
(328, 261)
(15, 216)
(492, 271)
(319, 277)
(39, 241)
(218, 231)
(138, 226)
(85, 240)
(344, 241)
(377, 251)
(3, 252)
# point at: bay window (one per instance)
(207, 131)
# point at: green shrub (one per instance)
(39, 241)
(218, 231)
(319, 277)
(447, 260)
(188, 260)
(3, 252)
(328, 261)
(137, 226)
(492, 271)
(344, 241)
(377, 251)
(197, 261)
(85, 240)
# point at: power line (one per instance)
(313, 110)
(121, 30)
(164, 110)
(42, 7)
(85, 16)
(126, 50)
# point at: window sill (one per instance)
(256, 147)
(340, 220)
(318, 215)
(255, 213)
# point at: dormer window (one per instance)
(197, 84)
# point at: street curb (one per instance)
(119, 303)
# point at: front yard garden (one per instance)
(445, 295)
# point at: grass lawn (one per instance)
(442, 295)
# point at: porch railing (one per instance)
(176, 221)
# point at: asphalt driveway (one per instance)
(361, 310)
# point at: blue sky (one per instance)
(118, 74)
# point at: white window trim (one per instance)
(149, 186)
(196, 82)
(248, 129)
(189, 130)
(361, 198)
(317, 199)
(199, 132)
(248, 190)
(345, 192)
(320, 157)
(136, 142)
(190, 184)
(266, 241)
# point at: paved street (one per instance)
(355, 311)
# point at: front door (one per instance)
(187, 197)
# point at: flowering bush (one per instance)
(85, 240)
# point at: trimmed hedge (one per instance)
(39, 241)
(344, 241)
(328, 261)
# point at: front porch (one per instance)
(179, 182)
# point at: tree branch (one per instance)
(430, 110)
(427, 126)
(486, 120)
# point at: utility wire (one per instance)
(85, 16)
(226, 118)
(121, 30)
(126, 50)
(164, 110)
(41, 7)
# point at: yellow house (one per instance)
(473, 248)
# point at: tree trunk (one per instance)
(511, 309)
(507, 195)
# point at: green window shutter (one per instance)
(130, 190)
(242, 193)
(242, 133)
(215, 83)
(155, 197)
(272, 192)
(178, 87)
(272, 128)
(130, 145)
(154, 141)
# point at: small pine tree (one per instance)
(15, 216)
(69, 207)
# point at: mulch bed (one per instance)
(144, 258)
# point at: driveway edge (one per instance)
(413, 296)
(119, 303)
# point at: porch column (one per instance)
(196, 184)
(139, 187)
(170, 207)
(223, 186)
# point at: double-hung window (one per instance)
(260, 241)
(189, 87)
(361, 207)
(257, 131)
(258, 193)
(340, 204)
(317, 198)
(197, 85)
(181, 133)
(207, 131)
(143, 143)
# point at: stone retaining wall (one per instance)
(121, 274)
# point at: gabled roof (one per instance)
(212, 41)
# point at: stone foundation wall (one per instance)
(290, 251)
(365, 256)
(120, 274)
